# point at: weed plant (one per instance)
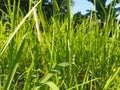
(54, 57)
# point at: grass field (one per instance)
(57, 58)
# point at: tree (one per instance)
(5, 4)
(105, 12)
(47, 6)
(56, 8)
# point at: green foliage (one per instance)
(45, 79)
(105, 12)
(58, 58)
(49, 10)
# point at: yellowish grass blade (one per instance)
(17, 28)
(37, 24)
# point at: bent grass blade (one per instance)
(50, 74)
(111, 79)
(17, 28)
(14, 65)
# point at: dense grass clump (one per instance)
(54, 56)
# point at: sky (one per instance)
(83, 5)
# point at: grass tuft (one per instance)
(39, 54)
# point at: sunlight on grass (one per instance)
(56, 55)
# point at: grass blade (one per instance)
(29, 75)
(37, 24)
(17, 28)
(50, 74)
(52, 85)
(111, 79)
(14, 65)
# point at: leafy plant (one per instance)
(37, 54)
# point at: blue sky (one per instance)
(83, 5)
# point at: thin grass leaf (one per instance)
(68, 40)
(111, 79)
(68, 32)
(83, 83)
(50, 74)
(17, 28)
(14, 65)
(55, 7)
(0, 83)
(29, 75)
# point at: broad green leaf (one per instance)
(14, 65)
(51, 85)
(50, 74)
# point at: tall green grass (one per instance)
(32, 59)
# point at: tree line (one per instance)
(103, 11)
(47, 7)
